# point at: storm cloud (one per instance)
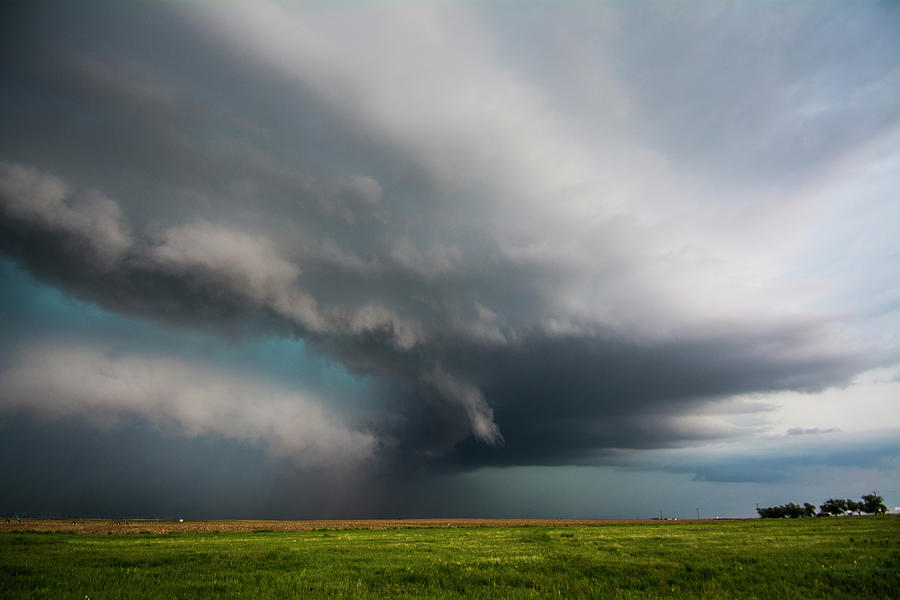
(94, 385)
(531, 257)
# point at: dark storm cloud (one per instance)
(565, 400)
(65, 467)
(558, 398)
(383, 185)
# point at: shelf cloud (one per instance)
(533, 237)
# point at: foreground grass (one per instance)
(809, 558)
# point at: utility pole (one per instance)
(698, 513)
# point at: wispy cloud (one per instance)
(810, 430)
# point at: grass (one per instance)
(808, 558)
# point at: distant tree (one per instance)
(834, 506)
(873, 504)
(854, 506)
(789, 510)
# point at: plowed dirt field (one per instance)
(103, 526)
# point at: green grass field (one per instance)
(808, 558)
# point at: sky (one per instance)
(481, 259)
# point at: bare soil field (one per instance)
(104, 526)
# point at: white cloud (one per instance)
(249, 264)
(436, 260)
(363, 187)
(92, 383)
(38, 199)
(870, 402)
(330, 252)
(603, 230)
(373, 317)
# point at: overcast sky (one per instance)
(300, 260)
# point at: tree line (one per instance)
(872, 504)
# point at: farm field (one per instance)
(856, 557)
(103, 526)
